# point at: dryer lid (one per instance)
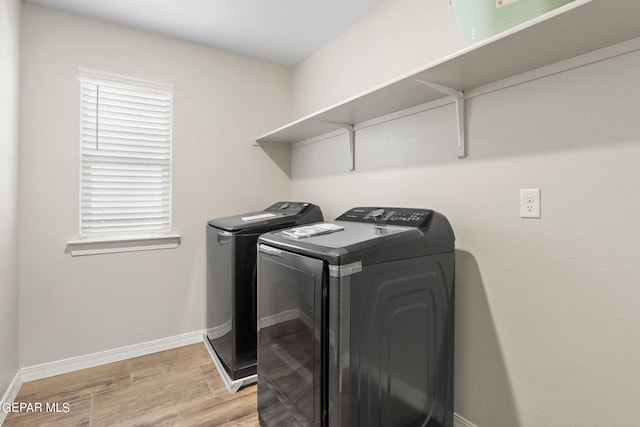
(372, 235)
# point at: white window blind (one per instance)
(125, 158)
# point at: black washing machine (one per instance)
(356, 321)
(231, 285)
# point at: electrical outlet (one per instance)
(530, 203)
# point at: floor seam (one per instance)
(206, 381)
(91, 411)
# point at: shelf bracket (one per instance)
(351, 132)
(458, 97)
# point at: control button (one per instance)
(377, 214)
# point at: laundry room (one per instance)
(519, 150)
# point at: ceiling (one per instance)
(283, 32)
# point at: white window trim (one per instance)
(123, 243)
(101, 76)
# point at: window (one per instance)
(125, 178)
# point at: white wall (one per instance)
(9, 37)
(397, 37)
(547, 314)
(71, 306)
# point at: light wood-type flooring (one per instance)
(179, 387)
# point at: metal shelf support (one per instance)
(458, 97)
(351, 132)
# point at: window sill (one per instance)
(122, 244)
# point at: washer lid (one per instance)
(278, 215)
(341, 234)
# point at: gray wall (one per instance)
(72, 306)
(547, 310)
(9, 36)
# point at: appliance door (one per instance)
(231, 301)
(290, 337)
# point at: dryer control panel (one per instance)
(407, 217)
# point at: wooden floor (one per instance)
(179, 387)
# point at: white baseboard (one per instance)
(50, 369)
(10, 395)
(460, 421)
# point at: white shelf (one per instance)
(577, 28)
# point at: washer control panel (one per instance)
(407, 217)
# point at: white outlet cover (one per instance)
(530, 203)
